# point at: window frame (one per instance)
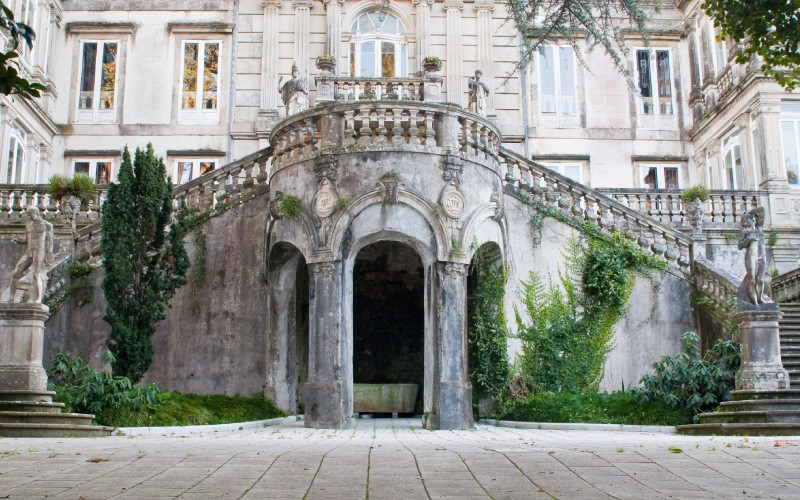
(96, 115)
(791, 116)
(661, 168)
(176, 180)
(93, 161)
(199, 115)
(728, 147)
(657, 119)
(559, 117)
(15, 169)
(719, 49)
(26, 54)
(358, 39)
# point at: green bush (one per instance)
(291, 206)
(691, 382)
(615, 408)
(80, 185)
(85, 390)
(697, 192)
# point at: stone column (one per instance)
(761, 368)
(452, 391)
(484, 9)
(328, 394)
(302, 30)
(333, 40)
(21, 342)
(456, 84)
(269, 55)
(423, 10)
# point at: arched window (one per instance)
(377, 46)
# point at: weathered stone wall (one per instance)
(213, 339)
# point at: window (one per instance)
(47, 40)
(790, 141)
(97, 82)
(660, 177)
(99, 170)
(732, 161)
(570, 170)
(199, 99)
(15, 154)
(557, 86)
(654, 78)
(719, 54)
(186, 170)
(27, 16)
(377, 47)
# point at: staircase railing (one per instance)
(717, 287)
(786, 287)
(582, 203)
(16, 198)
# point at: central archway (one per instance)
(388, 328)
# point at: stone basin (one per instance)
(384, 398)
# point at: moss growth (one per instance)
(341, 204)
(291, 206)
(772, 238)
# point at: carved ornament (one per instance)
(389, 184)
(452, 201)
(454, 270)
(275, 206)
(322, 269)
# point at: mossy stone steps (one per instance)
(751, 413)
(751, 417)
(38, 417)
(33, 414)
(741, 429)
(39, 406)
(53, 430)
(790, 341)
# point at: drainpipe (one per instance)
(232, 97)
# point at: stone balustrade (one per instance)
(718, 286)
(346, 89)
(16, 198)
(786, 287)
(383, 126)
(581, 203)
(724, 209)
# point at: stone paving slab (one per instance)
(396, 458)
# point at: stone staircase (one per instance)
(790, 342)
(28, 414)
(762, 413)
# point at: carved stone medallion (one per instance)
(452, 201)
(324, 201)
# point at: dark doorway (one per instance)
(389, 316)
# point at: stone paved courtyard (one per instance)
(397, 459)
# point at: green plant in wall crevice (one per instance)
(291, 207)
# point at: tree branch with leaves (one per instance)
(10, 80)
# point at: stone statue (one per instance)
(478, 92)
(38, 255)
(751, 239)
(294, 93)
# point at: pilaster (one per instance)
(423, 43)
(768, 114)
(455, 72)
(302, 31)
(268, 114)
(333, 40)
(484, 10)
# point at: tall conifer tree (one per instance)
(143, 256)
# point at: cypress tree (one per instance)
(143, 256)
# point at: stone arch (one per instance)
(287, 351)
(486, 215)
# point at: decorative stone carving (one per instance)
(38, 255)
(452, 169)
(275, 206)
(753, 290)
(500, 208)
(389, 184)
(72, 205)
(294, 93)
(478, 93)
(324, 205)
(322, 269)
(454, 270)
(452, 201)
(326, 166)
(695, 210)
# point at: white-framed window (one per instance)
(97, 82)
(557, 94)
(187, 169)
(790, 141)
(732, 161)
(656, 98)
(48, 42)
(15, 157)
(378, 46)
(656, 176)
(719, 52)
(571, 170)
(100, 170)
(27, 15)
(200, 82)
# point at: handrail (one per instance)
(786, 286)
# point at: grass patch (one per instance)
(614, 408)
(194, 409)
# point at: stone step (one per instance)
(45, 396)
(741, 429)
(787, 394)
(37, 406)
(785, 416)
(760, 405)
(38, 417)
(53, 430)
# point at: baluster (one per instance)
(524, 177)
(397, 126)
(235, 187)
(484, 142)
(658, 247)
(249, 181)
(511, 176)
(575, 201)
(16, 207)
(463, 139)
(261, 178)
(429, 134)
(536, 182)
(590, 213)
(364, 132)
(475, 139)
(349, 128)
(413, 129)
(381, 131)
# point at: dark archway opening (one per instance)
(389, 317)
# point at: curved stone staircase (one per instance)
(790, 342)
(29, 414)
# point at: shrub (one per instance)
(697, 192)
(689, 381)
(80, 185)
(291, 207)
(85, 390)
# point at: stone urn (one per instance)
(695, 210)
(326, 65)
(431, 65)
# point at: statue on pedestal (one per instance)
(478, 92)
(753, 289)
(38, 255)
(294, 93)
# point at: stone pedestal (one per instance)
(21, 342)
(761, 368)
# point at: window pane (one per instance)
(573, 172)
(403, 61)
(664, 82)
(82, 167)
(207, 166)
(645, 87)
(729, 170)
(184, 171)
(103, 172)
(390, 25)
(210, 76)
(650, 179)
(189, 76)
(548, 80)
(12, 147)
(109, 76)
(671, 178)
(20, 158)
(352, 59)
(87, 76)
(790, 151)
(387, 59)
(368, 59)
(567, 73)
